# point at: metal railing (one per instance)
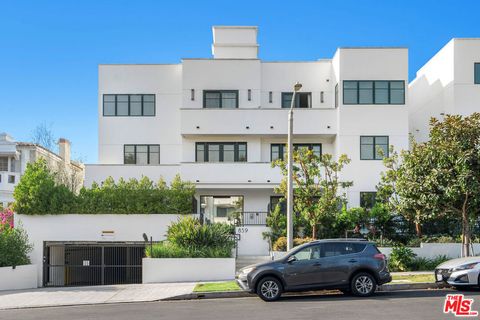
(254, 218)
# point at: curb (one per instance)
(244, 294)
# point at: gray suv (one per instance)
(350, 265)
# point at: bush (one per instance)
(39, 192)
(281, 243)
(166, 249)
(426, 264)
(14, 247)
(401, 258)
(189, 238)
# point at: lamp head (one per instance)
(297, 86)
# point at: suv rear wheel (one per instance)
(363, 284)
(269, 289)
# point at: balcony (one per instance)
(228, 174)
(8, 180)
(257, 121)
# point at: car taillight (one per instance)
(379, 256)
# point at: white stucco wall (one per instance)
(20, 277)
(89, 227)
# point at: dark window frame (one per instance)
(297, 97)
(221, 92)
(375, 147)
(363, 205)
(135, 153)
(389, 92)
(283, 147)
(129, 107)
(476, 77)
(221, 151)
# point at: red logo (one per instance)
(459, 306)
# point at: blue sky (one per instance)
(50, 50)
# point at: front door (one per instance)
(305, 270)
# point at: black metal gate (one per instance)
(92, 263)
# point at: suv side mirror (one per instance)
(291, 259)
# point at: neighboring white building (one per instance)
(447, 84)
(14, 157)
(220, 122)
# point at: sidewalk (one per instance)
(46, 297)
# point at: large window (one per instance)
(373, 147)
(3, 164)
(367, 199)
(278, 151)
(129, 105)
(215, 99)
(141, 154)
(476, 72)
(302, 100)
(221, 152)
(373, 92)
(278, 201)
(221, 208)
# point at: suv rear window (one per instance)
(331, 249)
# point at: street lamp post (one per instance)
(296, 88)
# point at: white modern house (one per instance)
(447, 84)
(220, 121)
(14, 157)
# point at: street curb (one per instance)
(243, 294)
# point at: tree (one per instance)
(409, 205)
(43, 135)
(442, 176)
(317, 186)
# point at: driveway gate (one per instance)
(92, 263)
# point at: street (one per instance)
(421, 304)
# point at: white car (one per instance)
(459, 273)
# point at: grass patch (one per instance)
(414, 278)
(216, 286)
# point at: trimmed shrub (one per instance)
(14, 247)
(166, 249)
(281, 243)
(401, 258)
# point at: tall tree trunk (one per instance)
(418, 229)
(314, 231)
(465, 229)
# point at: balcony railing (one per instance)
(256, 218)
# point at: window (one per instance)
(373, 92)
(221, 152)
(3, 164)
(220, 208)
(11, 179)
(332, 249)
(141, 154)
(476, 73)
(372, 147)
(367, 199)
(278, 201)
(220, 99)
(302, 99)
(308, 253)
(133, 105)
(278, 151)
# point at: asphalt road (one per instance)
(385, 305)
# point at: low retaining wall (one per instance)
(20, 277)
(426, 250)
(187, 269)
(432, 250)
(90, 227)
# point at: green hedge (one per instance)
(39, 192)
(14, 247)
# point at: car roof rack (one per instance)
(343, 239)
